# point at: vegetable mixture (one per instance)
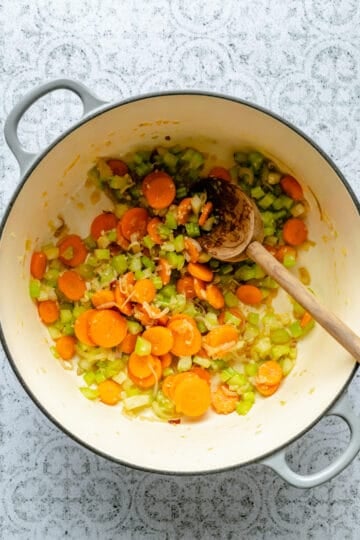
(151, 321)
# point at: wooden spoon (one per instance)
(239, 235)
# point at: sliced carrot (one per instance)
(200, 288)
(151, 380)
(164, 271)
(200, 271)
(305, 319)
(152, 230)
(192, 396)
(295, 232)
(107, 328)
(81, 327)
(214, 296)
(120, 238)
(134, 222)
(127, 346)
(282, 251)
(65, 347)
(192, 249)
(266, 389)
(102, 296)
(127, 282)
(140, 366)
(271, 249)
(205, 213)
(187, 338)
(292, 188)
(72, 285)
(220, 340)
(202, 373)
(269, 373)
(184, 211)
(102, 223)
(144, 291)
(249, 294)
(118, 166)
(166, 360)
(121, 301)
(220, 172)
(170, 382)
(38, 264)
(72, 250)
(48, 311)
(185, 285)
(161, 339)
(222, 401)
(109, 392)
(159, 189)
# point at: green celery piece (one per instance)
(34, 288)
(279, 336)
(256, 160)
(243, 407)
(142, 346)
(119, 263)
(231, 300)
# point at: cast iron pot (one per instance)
(53, 183)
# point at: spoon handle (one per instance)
(328, 320)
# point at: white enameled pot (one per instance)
(53, 184)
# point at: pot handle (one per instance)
(24, 158)
(278, 463)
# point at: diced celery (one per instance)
(201, 361)
(211, 320)
(148, 242)
(245, 273)
(181, 192)
(239, 379)
(256, 160)
(184, 363)
(266, 201)
(148, 263)
(253, 318)
(78, 310)
(250, 333)
(201, 326)
(286, 365)
(68, 253)
(89, 377)
(85, 271)
(119, 377)
(135, 264)
(295, 329)
(192, 230)
(142, 346)
(157, 281)
(226, 269)
(120, 182)
(136, 402)
(92, 260)
(107, 275)
(298, 210)
(279, 336)
(231, 300)
(170, 220)
(249, 396)
(134, 327)
(267, 218)
(164, 231)
(119, 263)
(89, 393)
(278, 351)
(168, 371)
(120, 209)
(310, 325)
(243, 407)
(168, 291)
(231, 319)
(269, 283)
(289, 260)
(34, 288)
(179, 243)
(54, 332)
(227, 373)
(197, 201)
(192, 158)
(99, 377)
(298, 310)
(251, 369)
(263, 347)
(56, 263)
(168, 246)
(102, 254)
(273, 178)
(68, 330)
(51, 251)
(66, 316)
(170, 161)
(257, 192)
(102, 242)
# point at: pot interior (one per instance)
(56, 186)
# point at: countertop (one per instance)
(299, 58)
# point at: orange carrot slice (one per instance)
(102, 223)
(200, 271)
(192, 396)
(159, 189)
(102, 296)
(152, 230)
(72, 250)
(109, 392)
(220, 340)
(185, 285)
(295, 232)
(214, 296)
(187, 338)
(107, 328)
(144, 291)
(292, 188)
(205, 213)
(222, 401)
(161, 339)
(71, 285)
(184, 211)
(220, 172)
(118, 166)
(38, 264)
(81, 327)
(249, 294)
(134, 222)
(65, 347)
(48, 311)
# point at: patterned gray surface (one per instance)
(299, 58)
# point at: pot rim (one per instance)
(90, 116)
